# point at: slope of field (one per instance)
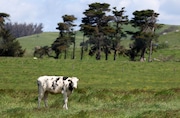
(43, 39)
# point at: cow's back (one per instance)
(52, 84)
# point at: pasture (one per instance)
(106, 88)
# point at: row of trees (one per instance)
(9, 46)
(105, 32)
(23, 29)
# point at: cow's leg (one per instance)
(46, 99)
(65, 100)
(40, 94)
(39, 102)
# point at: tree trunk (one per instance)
(73, 56)
(82, 52)
(98, 55)
(82, 48)
(106, 52)
(150, 52)
(57, 54)
(142, 59)
(65, 54)
(115, 51)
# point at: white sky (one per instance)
(49, 12)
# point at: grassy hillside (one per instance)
(172, 38)
(43, 39)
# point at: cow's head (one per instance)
(73, 82)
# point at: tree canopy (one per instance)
(145, 21)
(66, 36)
(95, 26)
(103, 36)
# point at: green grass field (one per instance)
(107, 89)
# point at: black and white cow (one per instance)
(55, 85)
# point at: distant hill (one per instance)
(42, 39)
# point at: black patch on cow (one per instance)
(71, 85)
(64, 78)
(53, 86)
(57, 79)
(54, 83)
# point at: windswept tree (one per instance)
(95, 26)
(146, 23)
(66, 36)
(120, 20)
(9, 46)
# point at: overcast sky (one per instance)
(49, 12)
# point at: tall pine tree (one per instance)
(146, 23)
(9, 46)
(66, 36)
(95, 26)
